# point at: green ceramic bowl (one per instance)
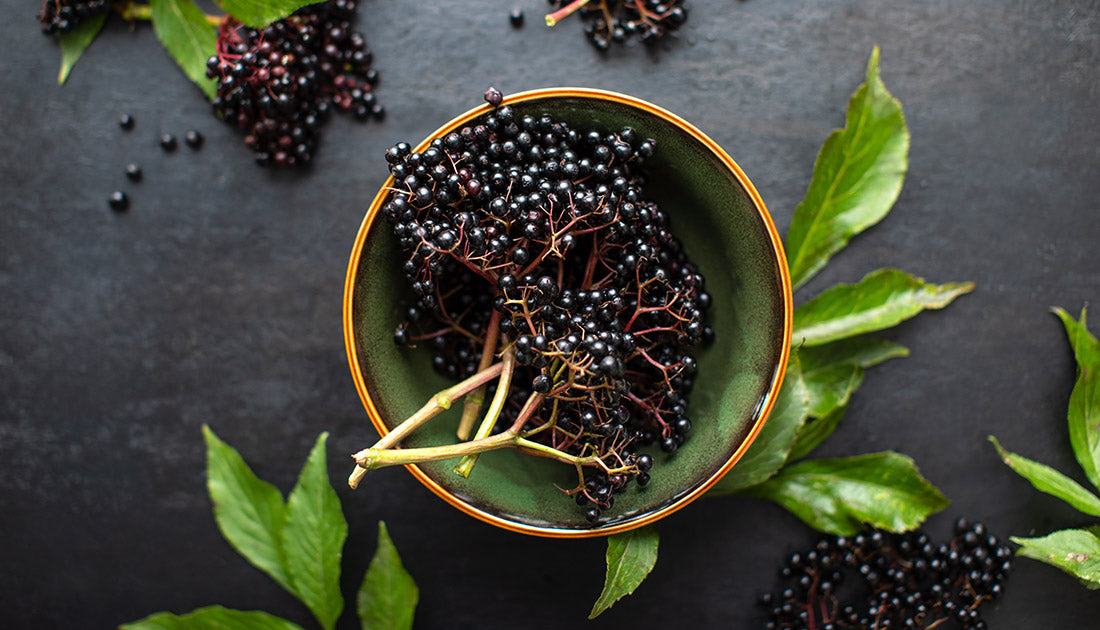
(726, 230)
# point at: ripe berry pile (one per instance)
(278, 84)
(521, 223)
(61, 15)
(607, 22)
(901, 581)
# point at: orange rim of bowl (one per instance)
(768, 399)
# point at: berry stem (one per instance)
(564, 12)
(438, 403)
(464, 467)
(472, 405)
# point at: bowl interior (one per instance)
(727, 234)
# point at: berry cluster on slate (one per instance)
(58, 16)
(618, 22)
(279, 83)
(884, 580)
(521, 222)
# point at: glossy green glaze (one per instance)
(724, 232)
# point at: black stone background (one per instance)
(217, 299)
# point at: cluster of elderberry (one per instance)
(279, 83)
(883, 580)
(523, 223)
(58, 16)
(617, 22)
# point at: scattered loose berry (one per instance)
(516, 17)
(168, 142)
(126, 121)
(193, 139)
(133, 172)
(118, 201)
(493, 97)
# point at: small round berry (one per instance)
(193, 139)
(133, 172)
(516, 17)
(494, 97)
(126, 121)
(118, 201)
(168, 142)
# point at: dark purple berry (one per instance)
(118, 201)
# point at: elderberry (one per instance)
(279, 84)
(886, 580)
(58, 16)
(607, 23)
(589, 289)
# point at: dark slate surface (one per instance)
(216, 299)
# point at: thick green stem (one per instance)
(372, 458)
(499, 398)
(472, 405)
(438, 404)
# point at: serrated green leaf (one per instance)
(260, 13)
(857, 177)
(832, 372)
(769, 450)
(882, 299)
(1048, 480)
(213, 617)
(182, 29)
(75, 41)
(838, 496)
(630, 557)
(249, 511)
(1083, 415)
(814, 432)
(387, 598)
(1075, 551)
(313, 538)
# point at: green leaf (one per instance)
(313, 538)
(837, 496)
(857, 177)
(834, 371)
(182, 28)
(880, 300)
(1048, 480)
(814, 432)
(75, 41)
(630, 557)
(215, 617)
(1075, 551)
(250, 512)
(387, 599)
(767, 453)
(862, 351)
(260, 13)
(1084, 402)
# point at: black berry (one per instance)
(193, 139)
(118, 201)
(126, 121)
(168, 142)
(494, 97)
(133, 172)
(516, 17)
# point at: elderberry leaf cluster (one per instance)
(832, 331)
(297, 542)
(1074, 551)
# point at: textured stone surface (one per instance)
(216, 299)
